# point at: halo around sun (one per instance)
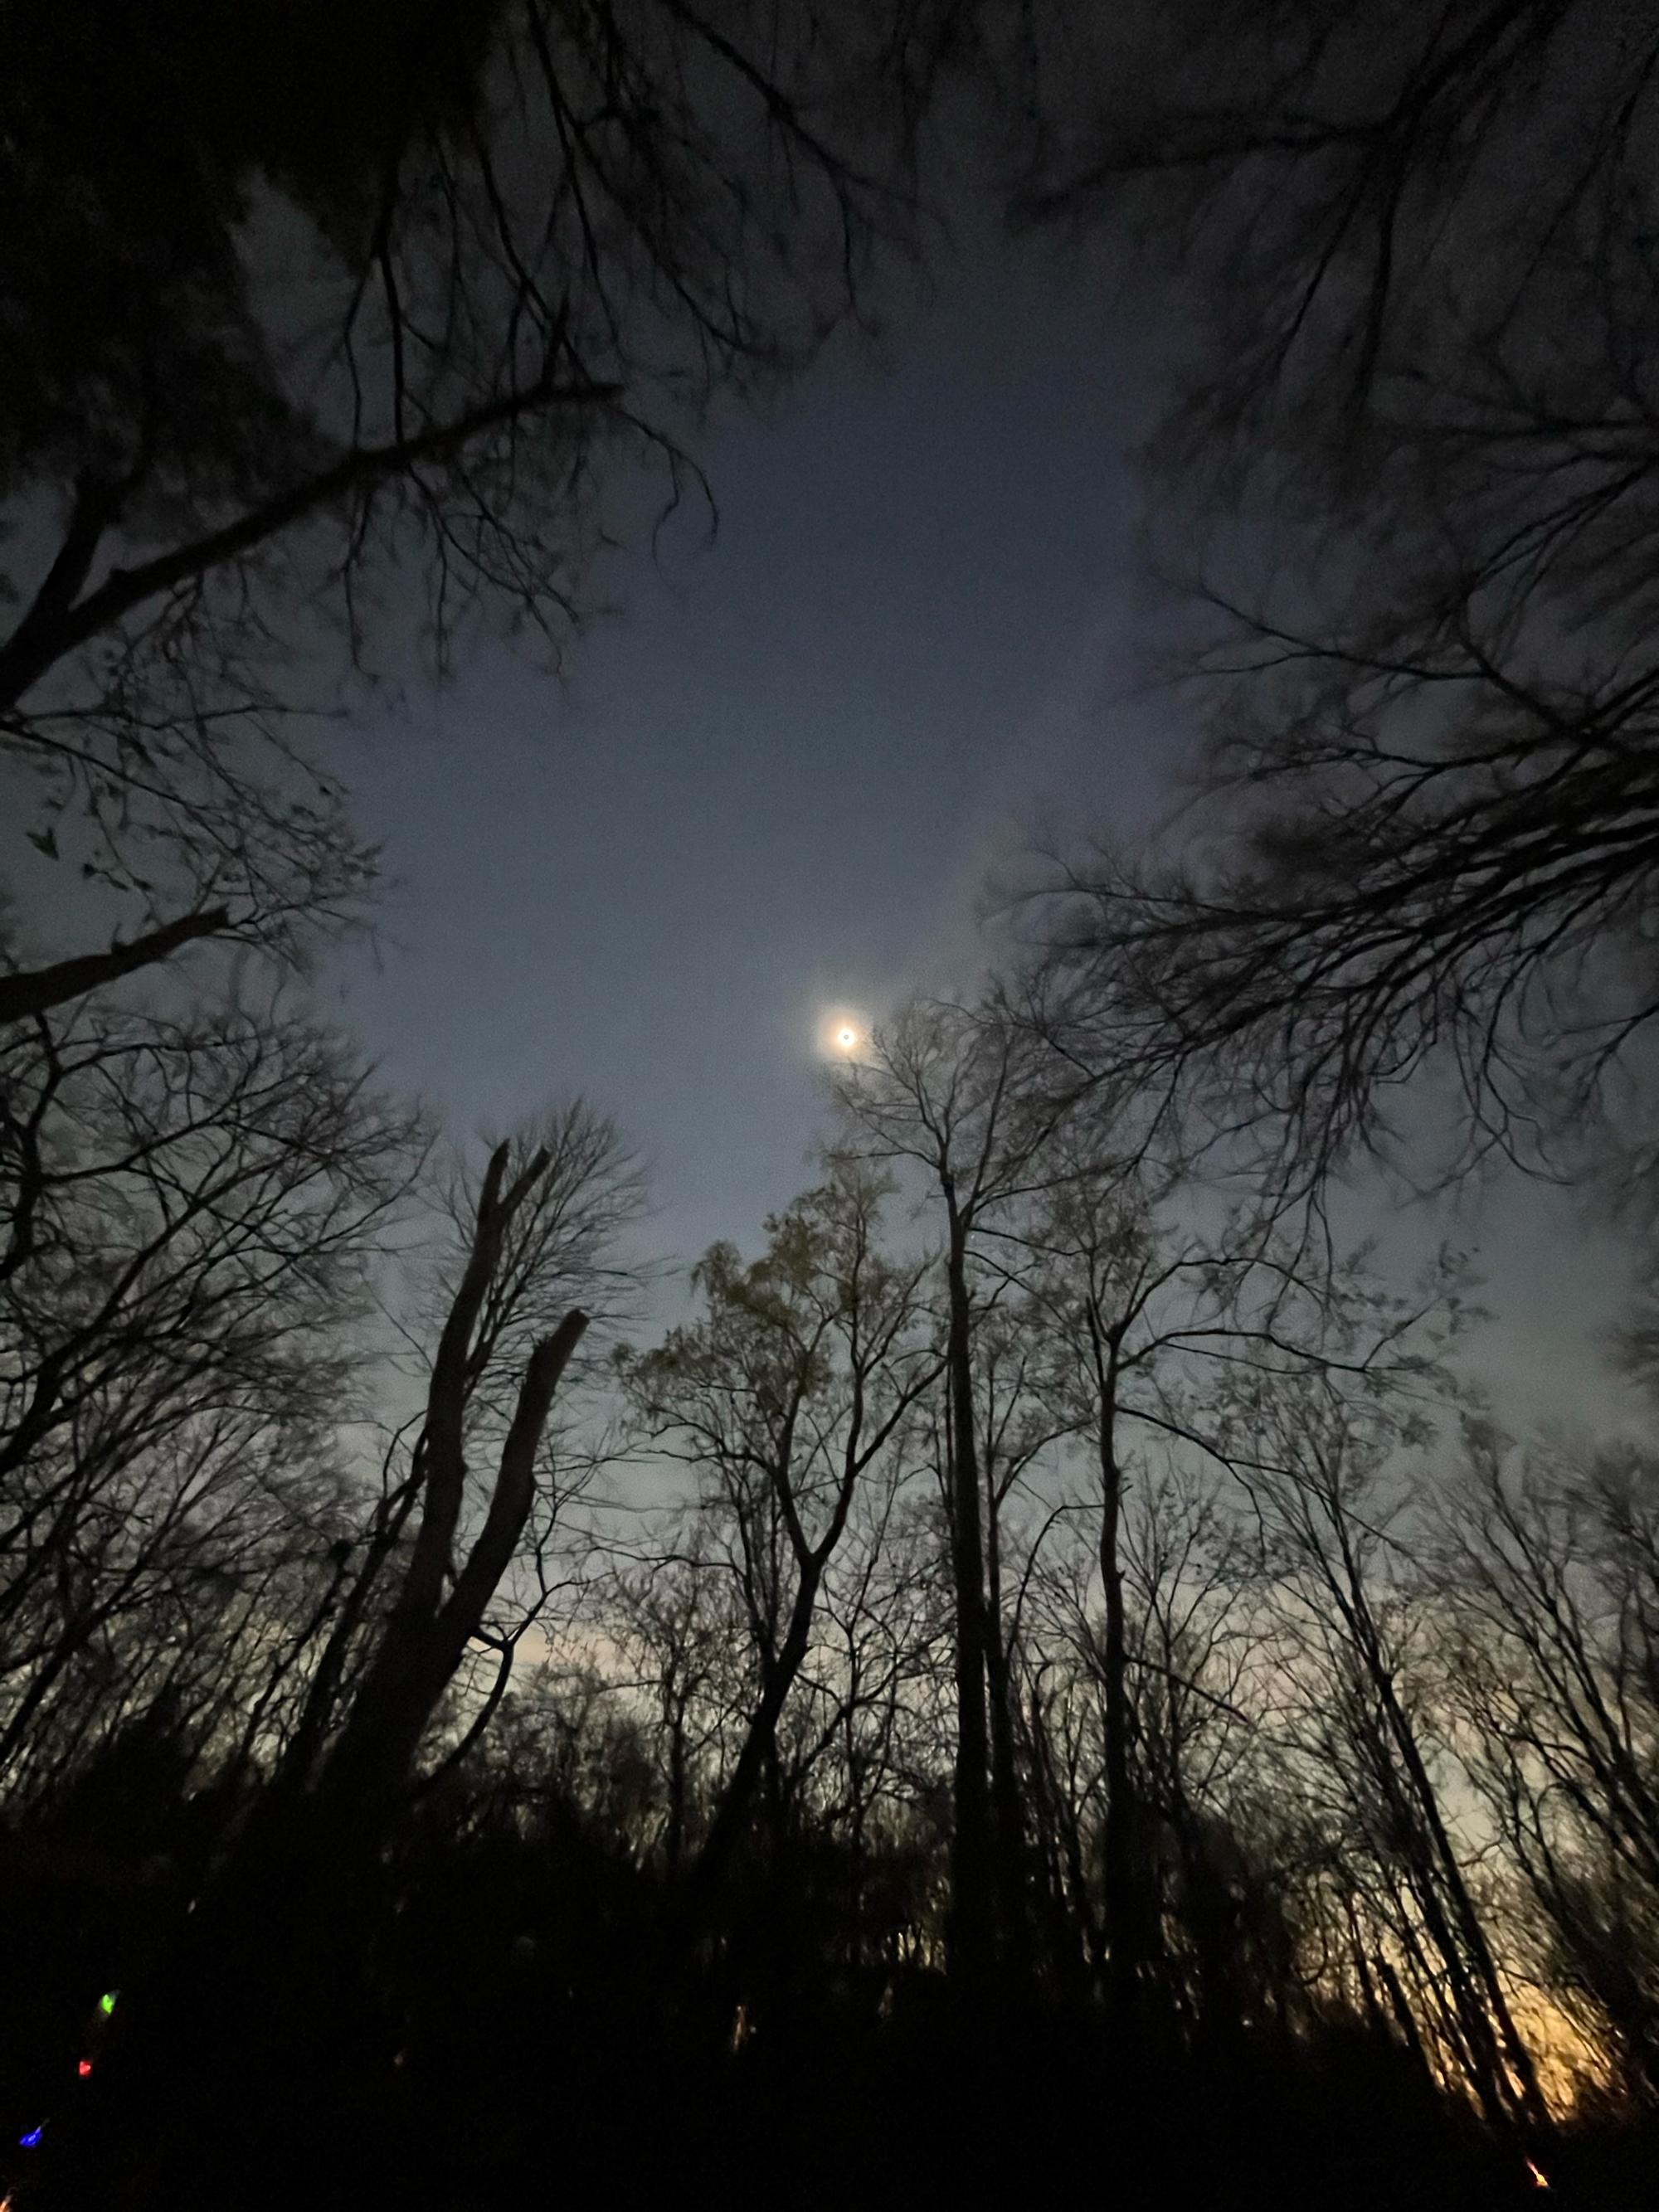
(843, 1033)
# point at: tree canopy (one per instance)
(321, 318)
(1411, 470)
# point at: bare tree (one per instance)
(1193, 1931)
(971, 1098)
(305, 309)
(798, 1383)
(1312, 1453)
(193, 1206)
(1416, 449)
(543, 1229)
(666, 1618)
(1154, 1306)
(184, 1558)
(1547, 1568)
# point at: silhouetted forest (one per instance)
(1047, 1674)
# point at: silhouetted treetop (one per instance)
(1362, 187)
(316, 315)
(1407, 497)
(242, 246)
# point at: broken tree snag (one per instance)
(427, 1633)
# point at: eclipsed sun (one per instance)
(843, 1033)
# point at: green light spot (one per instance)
(106, 2002)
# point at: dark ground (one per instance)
(511, 2033)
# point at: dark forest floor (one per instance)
(460, 2066)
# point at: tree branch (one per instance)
(55, 626)
(23, 996)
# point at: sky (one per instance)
(776, 777)
(776, 780)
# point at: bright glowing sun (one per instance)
(842, 1032)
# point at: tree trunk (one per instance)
(715, 1859)
(1007, 1808)
(971, 1936)
(1470, 1960)
(1124, 1935)
(423, 1646)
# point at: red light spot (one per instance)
(84, 2069)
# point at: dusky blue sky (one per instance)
(776, 778)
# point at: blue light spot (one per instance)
(29, 2140)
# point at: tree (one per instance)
(1312, 1452)
(1156, 1310)
(666, 1618)
(193, 1206)
(306, 304)
(1018, 1423)
(543, 1228)
(972, 1099)
(285, 1906)
(1417, 451)
(161, 1571)
(1171, 1852)
(786, 1397)
(1546, 1569)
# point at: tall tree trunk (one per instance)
(423, 1643)
(1077, 1940)
(1469, 1957)
(759, 1745)
(971, 1936)
(1013, 1923)
(1125, 1936)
